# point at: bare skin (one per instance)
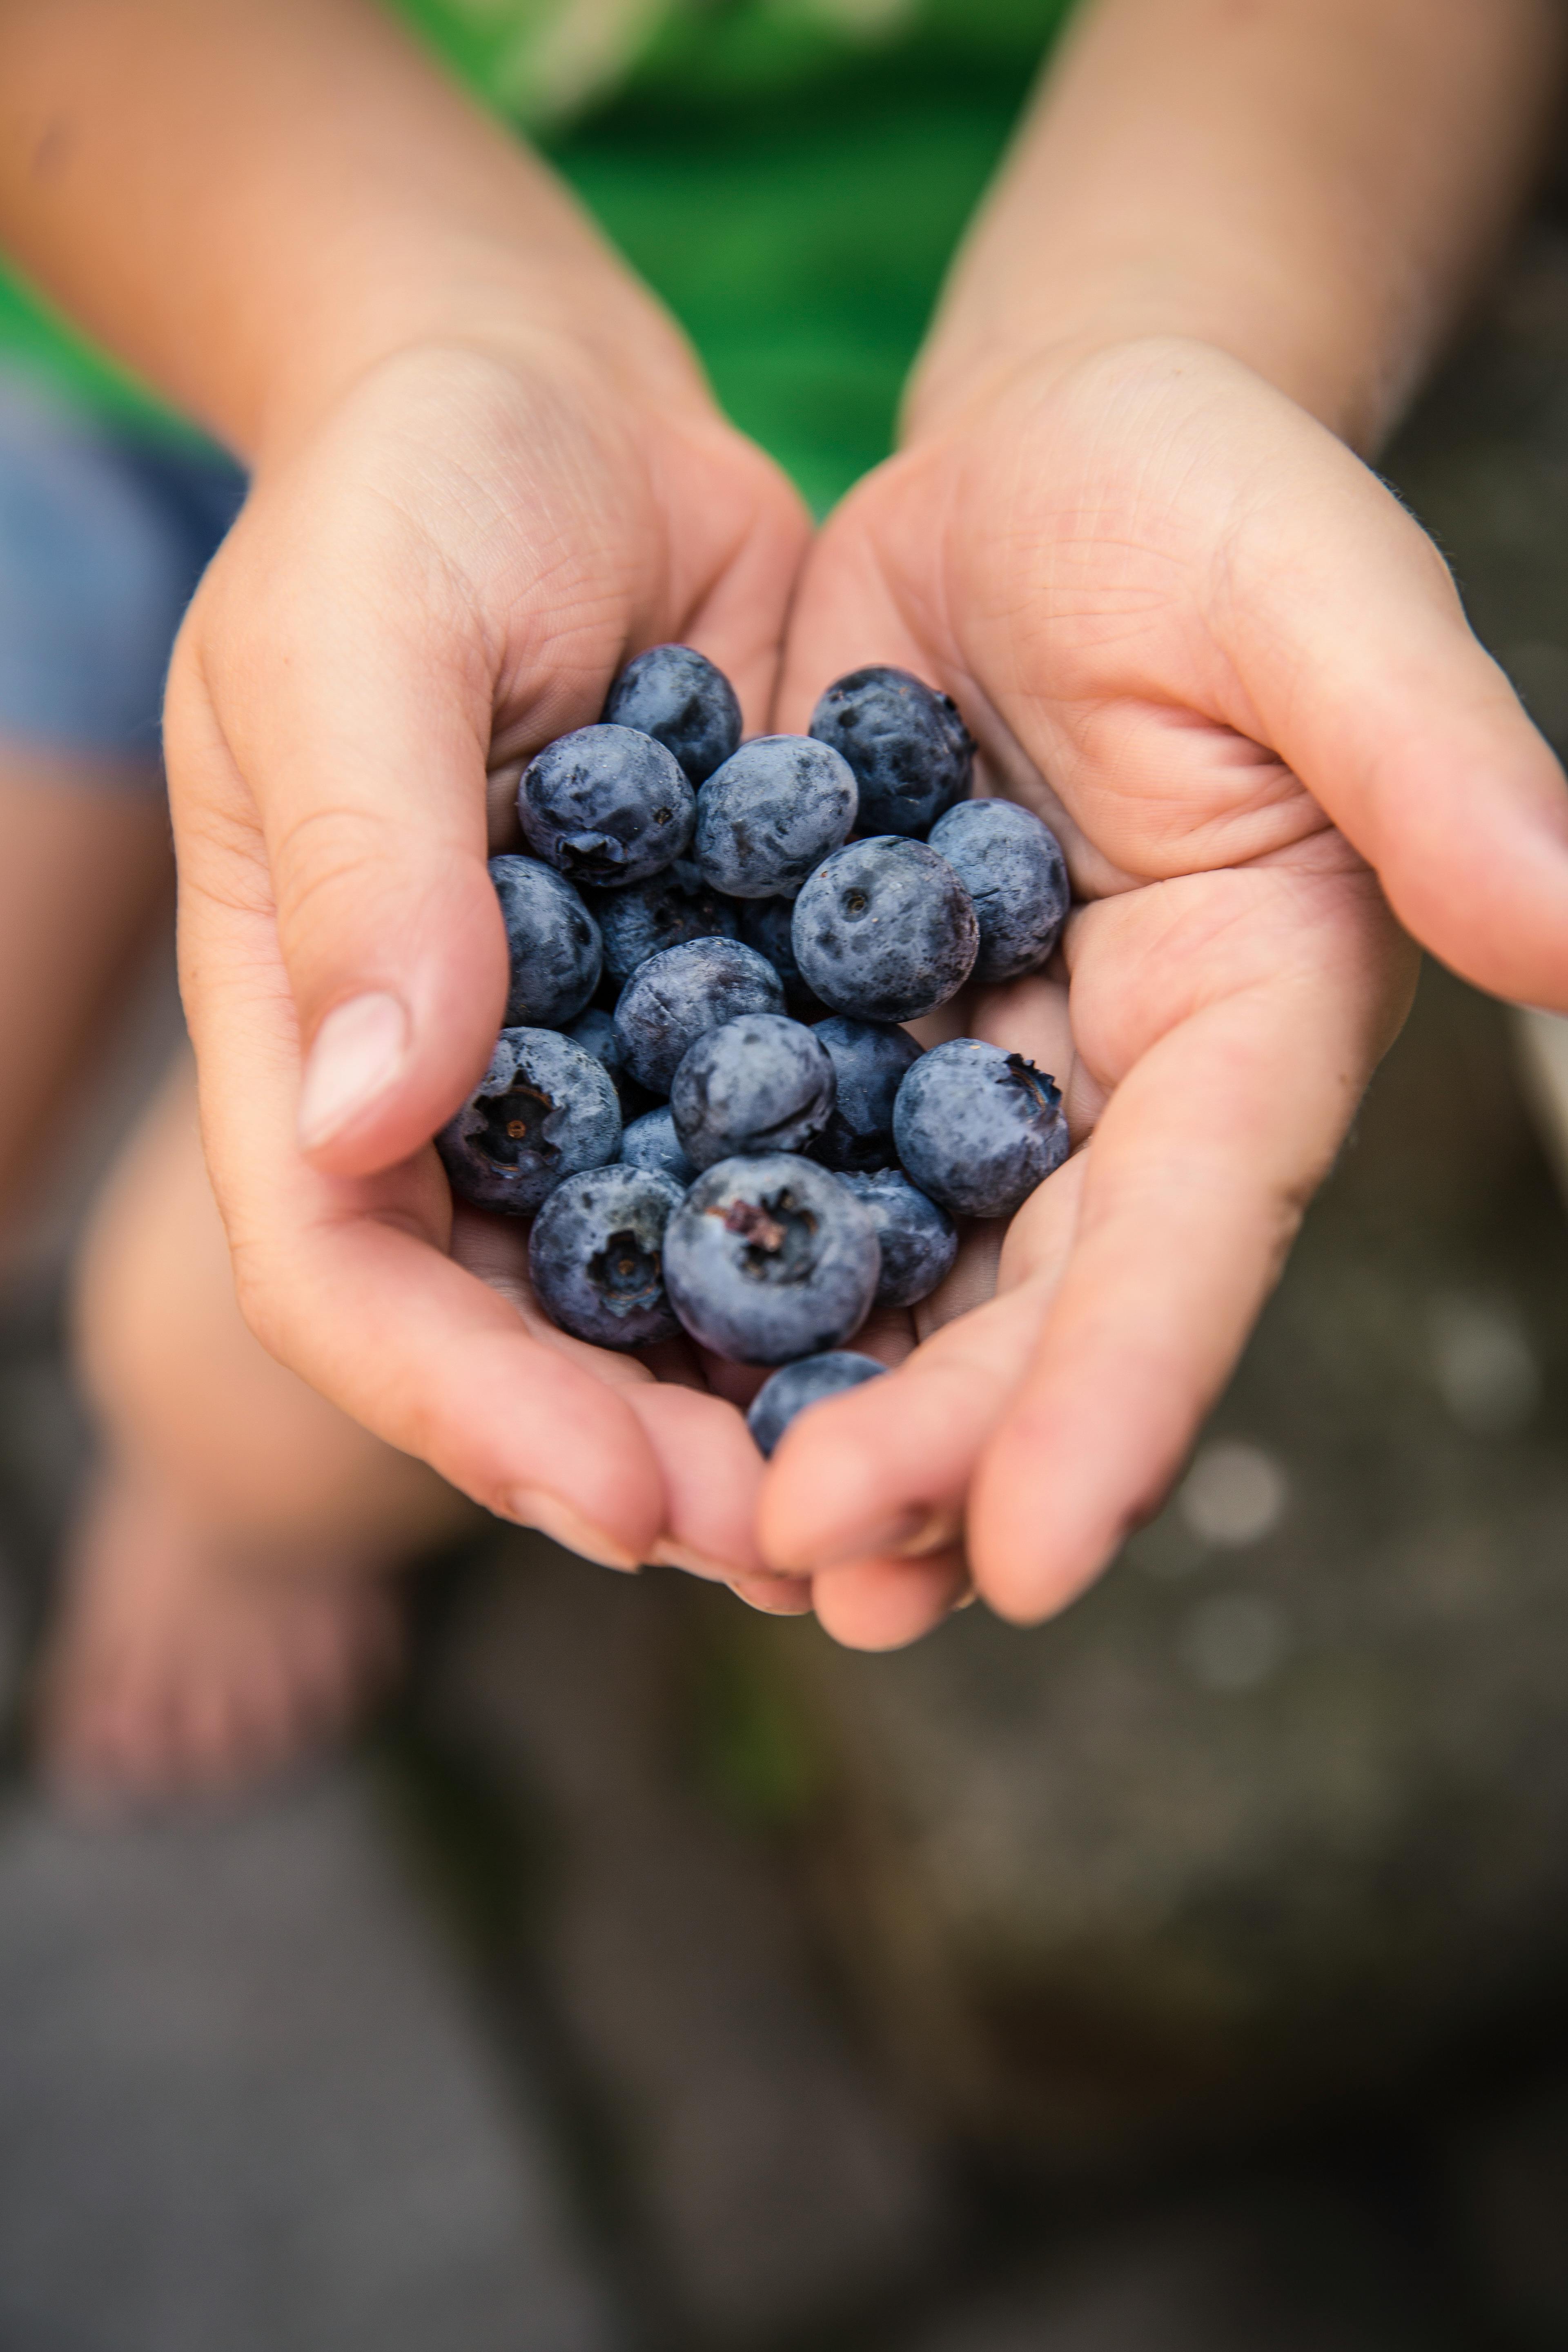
(1126, 528)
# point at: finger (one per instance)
(775, 1596)
(1200, 1168)
(883, 1470)
(886, 1605)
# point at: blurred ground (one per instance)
(1183, 1976)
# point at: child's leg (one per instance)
(226, 1602)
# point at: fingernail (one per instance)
(909, 1537)
(666, 1554)
(560, 1523)
(359, 1050)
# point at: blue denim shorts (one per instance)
(104, 533)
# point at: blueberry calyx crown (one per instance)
(626, 1273)
(777, 1232)
(513, 1123)
(1023, 1073)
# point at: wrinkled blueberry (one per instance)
(595, 1032)
(543, 1110)
(1013, 869)
(791, 1390)
(884, 931)
(595, 1256)
(978, 1128)
(759, 1084)
(769, 816)
(675, 995)
(678, 697)
(919, 1240)
(765, 926)
(651, 1141)
(606, 806)
(911, 753)
(675, 906)
(552, 940)
(770, 1259)
(869, 1058)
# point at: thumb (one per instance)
(1408, 734)
(329, 757)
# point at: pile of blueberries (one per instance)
(738, 1139)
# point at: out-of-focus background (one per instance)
(1190, 1975)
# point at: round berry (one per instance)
(651, 1141)
(552, 942)
(759, 1084)
(606, 806)
(789, 1390)
(978, 1128)
(1013, 870)
(543, 1110)
(675, 906)
(677, 994)
(918, 1241)
(769, 1259)
(911, 753)
(869, 1059)
(769, 816)
(677, 695)
(884, 931)
(595, 1256)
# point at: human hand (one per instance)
(440, 575)
(1196, 634)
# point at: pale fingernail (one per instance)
(359, 1050)
(561, 1524)
(666, 1554)
(909, 1537)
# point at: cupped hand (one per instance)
(1201, 639)
(441, 575)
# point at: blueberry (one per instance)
(543, 1110)
(675, 906)
(911, 753)
(1013, 869)
(789, 1390)
(919, 1240)
(651, 1141)
(606, 806)
(869, 1058)
(595, 1256)
(765, 926)
(769, 816)
(552, 941)
(675, 995)
(759, 1084)
(770, 1259)
(978, 1128)
(884, 931)
(595, 1032)
(680, 698)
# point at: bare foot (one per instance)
(177, 1666)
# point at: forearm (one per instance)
(251, 200)
(1310, 185)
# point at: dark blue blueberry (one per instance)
(606, 806)
(675, 906)
(911, 753)
(918, 1241)
(595, 1031)
(678, 698)
(651, 1141)
(595, 1256)
(884, 931)
(765, 926)
(543, 1110)
(978, 1128)
(759, 1084)
(869, 1058)
(673, 997)
(789, 1390)
(770, 1259)
(552, 941)
(769, 816)
(1013, 869)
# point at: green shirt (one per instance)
(791, 175)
